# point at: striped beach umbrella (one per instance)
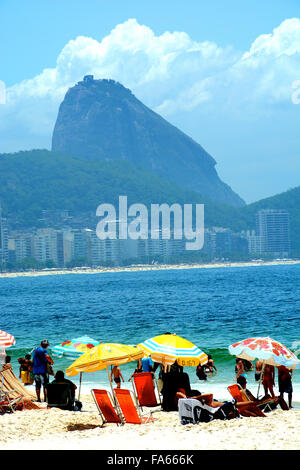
(169, 348)
(267, 350)
(6, 340)
(74, 348)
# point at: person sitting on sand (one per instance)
(268, 380)
(117, 375)
(285, 383)
(277, 400)
(176, 384)
(59, 378)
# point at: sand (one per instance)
(157, 267)
(56, 429)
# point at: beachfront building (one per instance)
(273, 227)
(3, 239)
(19, 247)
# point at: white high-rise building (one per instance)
(273, 227)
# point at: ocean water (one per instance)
(213, 308)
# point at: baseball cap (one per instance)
(45, 342)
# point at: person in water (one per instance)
(210, 364)
(117, 375)
(240, 369)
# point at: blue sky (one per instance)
(223, 74)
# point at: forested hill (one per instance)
(32, 181)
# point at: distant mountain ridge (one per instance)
(101, 119)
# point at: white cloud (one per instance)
(170, 73)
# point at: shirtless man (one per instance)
(116, 373)
(285, 383)
(258, 369)
(268, 380)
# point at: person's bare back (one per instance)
(117, 375)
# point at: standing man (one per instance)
(40, 361)
(285, 383)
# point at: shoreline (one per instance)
(146, 267)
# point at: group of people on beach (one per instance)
(173, 382)
(265, 374)
(38, 369)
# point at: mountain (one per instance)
(101, 119)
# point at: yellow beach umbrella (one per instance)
(169, 348)
(104, 355)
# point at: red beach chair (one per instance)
(246, 407)
(145, 390)
(130, 412)
(105, 407)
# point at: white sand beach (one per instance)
(155, 267)
(56, 429)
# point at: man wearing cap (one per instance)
(40, 362)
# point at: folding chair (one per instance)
(241, 395)
(130, 411)
(144, 388)
(245, 407)
(10, 404)
(105, 407)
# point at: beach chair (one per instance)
(105, 407)
(59, 396)
(245, 407)
(144, 388)
(9, 404)
(131, 412)
(241, 395)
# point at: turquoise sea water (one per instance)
(213, 308)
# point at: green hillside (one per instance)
(31, 181)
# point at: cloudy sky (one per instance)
(226, 72)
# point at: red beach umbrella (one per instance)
(6, 340)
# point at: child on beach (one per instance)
(117, 375)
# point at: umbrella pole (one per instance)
(112, 390)
(261, 378)
(80, 380)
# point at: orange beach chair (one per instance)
(246, 407)
(131, 413)
(105, 407)
(144, 389)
